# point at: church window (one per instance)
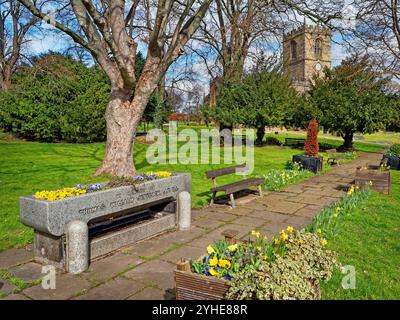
(293, 46)
(318, 49)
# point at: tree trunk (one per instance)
(348, 141)
(260, 134)
(5, 81)
(121, 129)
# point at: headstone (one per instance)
(77, 247)
(184, 210)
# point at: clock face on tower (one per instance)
(318, 67)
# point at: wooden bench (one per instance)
(233, 187)
(295, 142)
(333, 157)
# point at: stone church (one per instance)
(306, 51)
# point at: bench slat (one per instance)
(239, 185)
(224, 171)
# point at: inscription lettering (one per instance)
(92, 209)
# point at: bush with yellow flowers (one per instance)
(292, 255)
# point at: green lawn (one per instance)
(369, 240)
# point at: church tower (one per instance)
(306, 52)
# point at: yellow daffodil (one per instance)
(324, 242)
(259, 248)
(232, 247)
(284, 236)
(319, 231)
(265, 238)
(276, 240)
(290, 229)
(210, 250)
(213, 261)
(255, 233)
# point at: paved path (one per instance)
(145, 270)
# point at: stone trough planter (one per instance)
(313, 164)
(51, 219)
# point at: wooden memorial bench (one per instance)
(295, 142)
(233, 187)
(333, 157)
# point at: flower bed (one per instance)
(276, 180)
(326, 223)
(288, 267)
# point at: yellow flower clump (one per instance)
(161, 174)
(59, 194)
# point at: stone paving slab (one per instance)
(186, 251)
(14, 257)
(145, 270)
(67, 286)
(181, 237)
(16, 297)
(151, 293)
(207, 223)
(250, 221)
(115, 289)
(6, 287)
(28, 272)
(108, 267)
(157, 273)
(286, 207)
(149, 248)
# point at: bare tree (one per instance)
(15, 24)
(110, 30)
(376, 32)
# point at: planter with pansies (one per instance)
(290, 266)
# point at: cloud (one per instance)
(39, 44)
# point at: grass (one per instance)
(369, 240)
(28, 167)
(332, 141)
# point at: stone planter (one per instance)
(392, 161)
(380, 180)
(313, 164)
(50, 219)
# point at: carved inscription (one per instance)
(92, 209)
(138, 196)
